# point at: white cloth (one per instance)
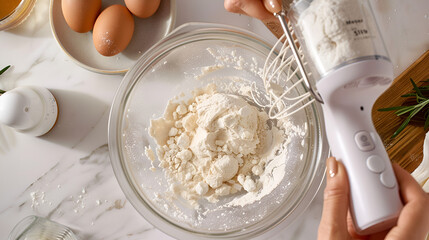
(421, 173)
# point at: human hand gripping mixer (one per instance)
(345, 52)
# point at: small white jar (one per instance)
(29, 109)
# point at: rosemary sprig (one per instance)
(1, 72)
(4, 69)
(417, 103)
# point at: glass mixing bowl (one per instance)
(174, 66)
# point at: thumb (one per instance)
(336, 202)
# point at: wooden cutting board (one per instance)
(407, 148)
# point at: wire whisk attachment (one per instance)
(281, 80)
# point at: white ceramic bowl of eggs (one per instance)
(108, 36)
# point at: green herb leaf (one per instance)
(402, 127)
(391, 109)
(426, 121)
(421, 104)
(407, 120)
(1, 72)
(409, 95)
(417, 89)
(403, 111)
(4, 69)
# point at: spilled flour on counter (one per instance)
(216, 144)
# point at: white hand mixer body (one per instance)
(349, 94)
(343, 46)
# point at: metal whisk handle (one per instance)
(281, 16)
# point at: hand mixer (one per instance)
(344, 52)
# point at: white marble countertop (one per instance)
(66, 174)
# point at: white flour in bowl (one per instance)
(175, 185)
(217, 144)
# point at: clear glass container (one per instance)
(334, 33)
(18, 15)
(171, 67)
(38, 228)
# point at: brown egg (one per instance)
(113, 30)
(80, 15)
(142, 8)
